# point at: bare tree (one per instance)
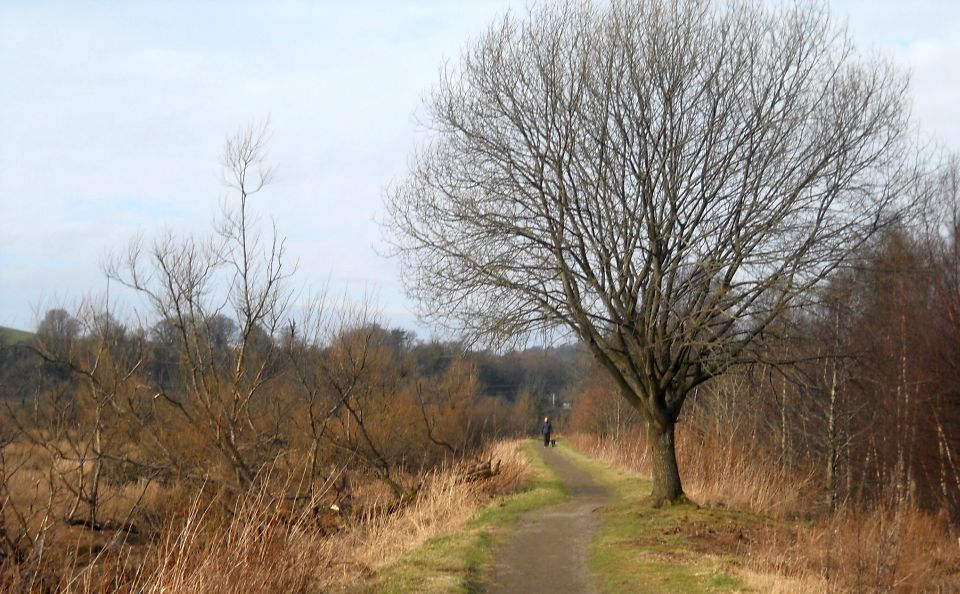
(223, 339)
(943, 239)
(372, 420)
(82, 430)
(660, 179)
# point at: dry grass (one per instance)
(887, 547)
(883, 546)
(262, 545)
(717, 471)
(446, 503)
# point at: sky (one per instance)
(113, 116)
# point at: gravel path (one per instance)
(547, 550)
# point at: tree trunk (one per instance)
(97, 473)
(663, 458)
(830, 481)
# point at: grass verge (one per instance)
(458, 562)
(679, 548)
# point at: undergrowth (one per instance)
(783, 540)
(262, 546)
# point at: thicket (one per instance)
(222, 406)
(108, 458)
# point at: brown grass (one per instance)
(886, 547)
(260, 544)
(717, 471)
(881, 546)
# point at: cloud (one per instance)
(113, 118)
(113, 115)
(921, 37)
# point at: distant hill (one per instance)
(13, 336)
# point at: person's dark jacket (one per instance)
(547, 428)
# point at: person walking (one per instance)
(546, 430)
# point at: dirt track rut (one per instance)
(547, 550)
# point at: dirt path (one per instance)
(547, 551)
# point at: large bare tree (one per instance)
(662, 179)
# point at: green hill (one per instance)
(13, 336)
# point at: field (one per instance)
(177, 540)
(13, 336)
